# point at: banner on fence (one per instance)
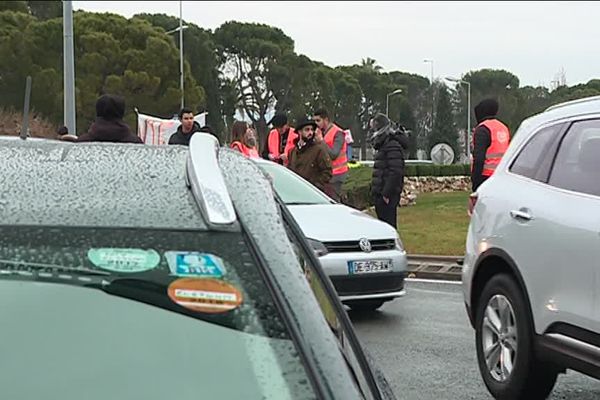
(157, 131)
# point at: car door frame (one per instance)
(541, 178)
(346, 326)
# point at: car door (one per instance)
(369, 378)
(548, 235)
(575, 184)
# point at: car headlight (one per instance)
(399, 244)
(318, 247)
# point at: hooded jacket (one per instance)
(109, 125)
(312, 162)
(388, 169)
(184, 138)
(482, 139)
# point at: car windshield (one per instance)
(140, 314)
(291, 188)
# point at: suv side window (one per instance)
(577, 164)
(533, 161)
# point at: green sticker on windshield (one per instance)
(124, 260)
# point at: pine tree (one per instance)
(444, 130)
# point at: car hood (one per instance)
(337, 223)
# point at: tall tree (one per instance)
(250, 55)
(444, 130)
(112, 54)
(46, 9)
(199, 49)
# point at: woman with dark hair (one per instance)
(243, 139)
(109, 125)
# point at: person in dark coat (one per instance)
(187, 128)
(388, 169)
(310, 159)
(109, 125)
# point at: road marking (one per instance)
(433, 281)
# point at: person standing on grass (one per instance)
(387, 182)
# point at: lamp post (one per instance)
(387, 101)
(69, 69)
(457, 80)
(432, 92)
(180, 29)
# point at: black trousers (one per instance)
(388, 212)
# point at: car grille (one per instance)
(349, 247)
(355, 285)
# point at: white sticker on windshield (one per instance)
(124, 260)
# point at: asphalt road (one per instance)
(425, 345)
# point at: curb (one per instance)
(424, 266)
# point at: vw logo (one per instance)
(365, 245)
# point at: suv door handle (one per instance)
(521, 214)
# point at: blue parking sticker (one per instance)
(195, 264)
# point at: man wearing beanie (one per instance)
(490, 141)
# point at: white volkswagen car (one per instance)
(364, 257)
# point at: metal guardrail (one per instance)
(435, 267)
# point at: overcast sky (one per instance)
(533, 40)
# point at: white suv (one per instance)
(531, 274)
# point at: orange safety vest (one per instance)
(274, 143)
(500, 140)
(249, 152)
(289, 145)
(340, 164)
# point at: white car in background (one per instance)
(363, 257)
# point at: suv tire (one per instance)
(503, 325)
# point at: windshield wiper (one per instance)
(41, 266)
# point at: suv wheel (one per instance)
(504, 341)
(365, 305)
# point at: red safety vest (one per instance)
(250, 152)
(340, 164)
(500, 136)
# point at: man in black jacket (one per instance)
(187, 128)
(490, 141)
(388, 170)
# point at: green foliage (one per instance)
(45, 9)
(113, 54)
(251, 53)
(17, 6)
(199, 50)
(444, 130)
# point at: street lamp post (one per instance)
(69, 69)
(387, 101)
(457, 80)
(180, 29)
(432, 92)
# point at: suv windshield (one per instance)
(139, 314)
(292, 189)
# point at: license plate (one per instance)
(368, 267)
